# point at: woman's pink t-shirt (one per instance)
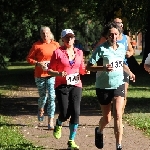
(60, 62)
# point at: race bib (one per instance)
(72, 79)
(117, 64)
(46, 64)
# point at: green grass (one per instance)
(138, 58)
(11, 137)
(15, 75)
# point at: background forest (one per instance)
(21, 20)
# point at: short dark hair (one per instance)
(109, 26)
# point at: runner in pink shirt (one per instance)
(67, 64)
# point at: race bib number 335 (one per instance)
(72, 79)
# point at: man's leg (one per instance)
(126, 80)
(125, 98)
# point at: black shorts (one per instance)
(126, 77)
(105, 96)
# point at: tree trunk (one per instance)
(57, 29)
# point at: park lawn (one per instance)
(138, 58)
(11, 138)
(137, 111)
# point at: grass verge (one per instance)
(11, 139)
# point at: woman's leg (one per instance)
(74, 101)
(118, 128)
(62, 95)
(41, 85)
(106, 116)
(74, 104)
(118, 103)
(51, 101)
(104, 97)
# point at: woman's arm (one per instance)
(91, 67)
(128, 71)
(56, 73)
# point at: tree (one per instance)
(19, 29)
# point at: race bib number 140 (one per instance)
(72, 79)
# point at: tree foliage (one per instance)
(21, 20)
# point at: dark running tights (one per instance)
(69, 98)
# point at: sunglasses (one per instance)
(68, 37)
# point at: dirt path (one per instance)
(22, 106)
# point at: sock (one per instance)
(118, 145)
(59, 122)
(100, 132)
(73, 131)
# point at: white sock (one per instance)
(118, 145)
(99, 131)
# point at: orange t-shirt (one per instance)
(41, 52)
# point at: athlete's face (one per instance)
(45, 34)
(118, 22)
(68, 40)
(113, 35)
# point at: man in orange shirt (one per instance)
(40, 55)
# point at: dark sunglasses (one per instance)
(68, 37)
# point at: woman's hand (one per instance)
(132, 76)
(108, 67)
(43, 65)
(87, 72)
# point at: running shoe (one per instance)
(72, 145)
(57, 131)
(40, 115)
(119, 148)
(98, 139)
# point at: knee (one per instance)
(118, 115)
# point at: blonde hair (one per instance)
(51, 34)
